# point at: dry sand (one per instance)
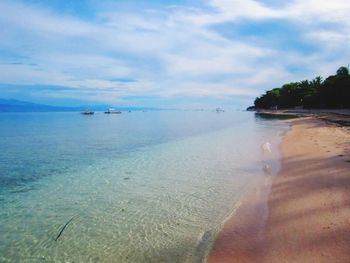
(305, 216)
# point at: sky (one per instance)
(168, 54)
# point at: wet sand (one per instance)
(305, 216)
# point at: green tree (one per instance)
(333, 92)
(343, 71)
(311, 97)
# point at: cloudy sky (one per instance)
(174, 53)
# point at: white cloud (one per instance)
(169, 52)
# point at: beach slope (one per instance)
(306, 215)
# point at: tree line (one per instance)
(333, 92)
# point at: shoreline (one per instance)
(333, 116)
(305, 216)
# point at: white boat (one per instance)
(219, 110)
(112, 111)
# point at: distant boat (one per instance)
(112, 111)
(219, 110)
(87, 112)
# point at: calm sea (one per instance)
(136, 187)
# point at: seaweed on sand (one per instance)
(63, 228)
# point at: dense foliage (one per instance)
(333, 92)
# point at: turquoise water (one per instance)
(139, 187)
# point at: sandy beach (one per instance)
(304, 214)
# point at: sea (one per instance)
(134, 187)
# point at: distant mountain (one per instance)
(11, 105)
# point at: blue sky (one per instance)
(175, 54)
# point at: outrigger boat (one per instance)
(112, 111)
(87, 112)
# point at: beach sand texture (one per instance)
(305, 216)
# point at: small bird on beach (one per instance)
(267, 169)
(266, 147)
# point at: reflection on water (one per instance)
(143, 187)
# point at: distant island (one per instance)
(333, 92)
(13, 105)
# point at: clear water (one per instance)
(140, 187)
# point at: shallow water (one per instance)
(140, 186)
